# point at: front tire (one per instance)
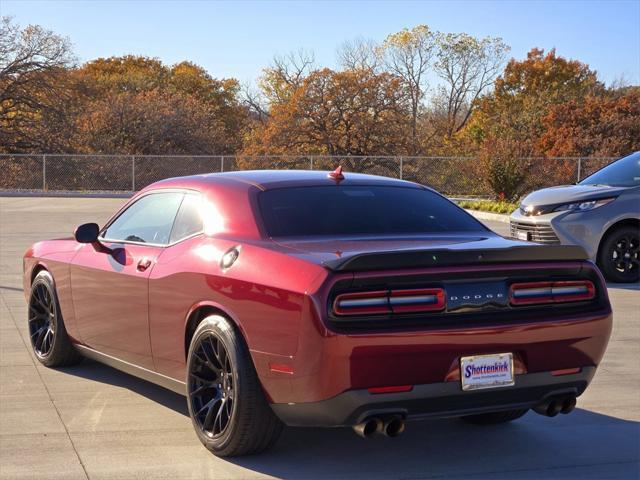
(495, 418)
(49, 338)
(227, 406)
(619, 257)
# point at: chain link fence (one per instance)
(453, 176)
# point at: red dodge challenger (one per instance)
(274, 298)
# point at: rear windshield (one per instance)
(360, 210)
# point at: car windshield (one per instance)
(621, 173)
(360, 210)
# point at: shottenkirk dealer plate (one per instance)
(486, 371)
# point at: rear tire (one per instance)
(49, 338)
(495, 418)
(227, 406)
(619, 255)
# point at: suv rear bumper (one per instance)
(445, 399)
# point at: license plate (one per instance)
(520, 235)
(486, 371)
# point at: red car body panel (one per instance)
(269, 313)
(116, 320)
(276, 294)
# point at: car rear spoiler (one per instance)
(452, 257)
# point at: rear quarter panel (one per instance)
(263, 293)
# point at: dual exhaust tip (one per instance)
(554, 406)
(389, 426)
(394, 425)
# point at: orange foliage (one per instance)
(599, 125)
(353, 112)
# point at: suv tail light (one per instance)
(551, 292)
(389, 301)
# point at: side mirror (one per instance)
(87, 233)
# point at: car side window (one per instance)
(189, 219)
(148, 220)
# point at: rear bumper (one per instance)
(445, 399)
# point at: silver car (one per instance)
(601, 213)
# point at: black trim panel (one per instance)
(485, 315)
(449, 257)
(438, 400)
(140, 372)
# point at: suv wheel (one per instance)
(619, 256)
(228, 409)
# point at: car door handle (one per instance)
(143, 264)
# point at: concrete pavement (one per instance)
(91, 421)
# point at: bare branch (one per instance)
(467, 66)
(359, 53)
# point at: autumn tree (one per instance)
(467, 67)
(126, 74)
(150, 123)
(280, 80)
(352, 112)
(606, 125)
(182, 109)
(33, 85)
(220, 98)
(408, 55)
(509, 122)
(525, 92)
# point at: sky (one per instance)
(238, 39)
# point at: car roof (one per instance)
(269, 179)
(231, 192)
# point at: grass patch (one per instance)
(488, 206)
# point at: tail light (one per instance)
(424, 300)
(362, 303)
(551, 292)
(389, 301)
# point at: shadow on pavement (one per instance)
(98, 372)
(624, 286)
(580, 445)
(569, 446)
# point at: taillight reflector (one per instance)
(392, 389)
(389, 301)
(565, 371)
(551, 292)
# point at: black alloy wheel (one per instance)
(42, 320)
(625, 254)
(211, 386)
(227, 405)
(49, 338)
(620, 255)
